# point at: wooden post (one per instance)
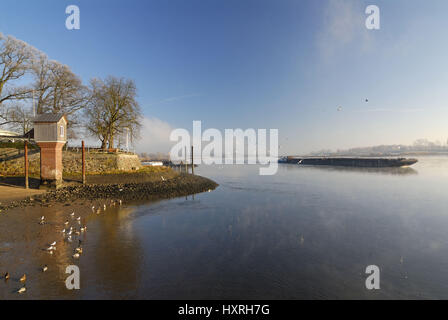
(186, 164)
(26, 165)
(83, 163)
(192, 161)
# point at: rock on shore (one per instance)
(178, 186)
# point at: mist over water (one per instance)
(305, 233)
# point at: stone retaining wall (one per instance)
(72, 163)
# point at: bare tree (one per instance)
(16, 57)
(20, 118)
(58, 90)
(113, 109)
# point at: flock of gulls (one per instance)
(69, 235)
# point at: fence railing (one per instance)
(98, 150)
(15, 154)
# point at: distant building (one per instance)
(153, 163)
(5, 133)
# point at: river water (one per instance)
(305, 233)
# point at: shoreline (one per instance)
(124, 187)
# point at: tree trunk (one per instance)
(111, 142)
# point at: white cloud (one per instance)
(154, 136)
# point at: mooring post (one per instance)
(186, 164)
(192, 161)
(83, 163)
(26, 165)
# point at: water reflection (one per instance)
(305, 233)
(113, 256)
(386, 171)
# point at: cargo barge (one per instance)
(349, 162)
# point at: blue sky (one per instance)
(285, 64)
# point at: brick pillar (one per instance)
(51, 163)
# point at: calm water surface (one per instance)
(305, 233)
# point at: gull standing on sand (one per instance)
(23, 279)
(6, 276)
(44, 268)
(79, 248)
(22, 290)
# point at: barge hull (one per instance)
(353, 162)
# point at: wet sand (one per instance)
(8, 193)
(23, 239)
(23, 242)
